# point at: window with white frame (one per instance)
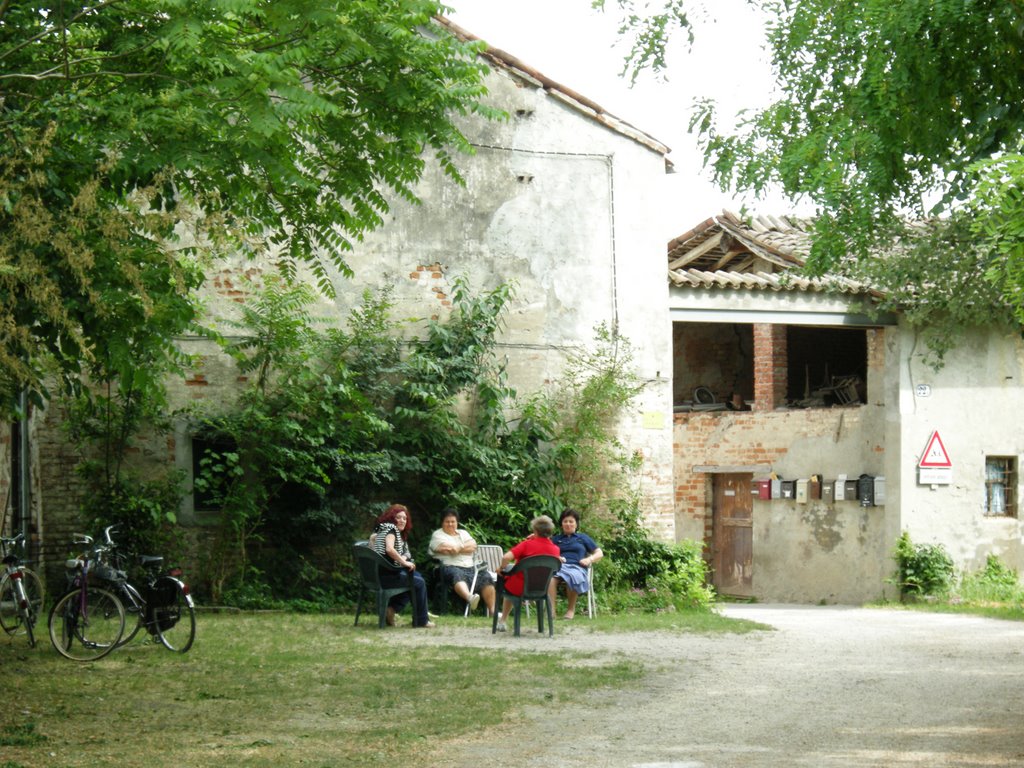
(1001, 486)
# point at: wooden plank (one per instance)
(696, 253)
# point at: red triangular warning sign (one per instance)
(935, 454)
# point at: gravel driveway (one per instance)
(830, 686)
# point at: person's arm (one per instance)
(439, 546)
(506, 560)
(468, 543)
(389, 547)
(592, 558)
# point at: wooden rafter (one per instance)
(709, 244)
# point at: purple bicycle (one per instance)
(87, 622)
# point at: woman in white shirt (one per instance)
(454, 547)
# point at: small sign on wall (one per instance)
(935, 466)
(654, 420)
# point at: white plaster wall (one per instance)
(561, 207)
(975, 403)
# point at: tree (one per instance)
(887, 112)
(138, 137)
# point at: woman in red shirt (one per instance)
(537, 543)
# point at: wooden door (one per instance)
(732, 545)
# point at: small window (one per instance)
(1001, 486)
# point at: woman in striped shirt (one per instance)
(389, 540)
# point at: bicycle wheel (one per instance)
(86, 630)
(174, 614)
(13, 620)
(134, 613)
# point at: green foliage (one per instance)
(888, 110)
(104, 423)
(139, 137)
(995, 583)
(24, 735)
(641, 574)
(648, 33)
(337, 421)
(922, 569)
(943, 280)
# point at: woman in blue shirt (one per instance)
(578, 552)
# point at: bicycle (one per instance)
(87, 622)
(163, 607)
(21, 592)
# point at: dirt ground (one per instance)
(828, 686)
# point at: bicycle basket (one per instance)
(105, 572)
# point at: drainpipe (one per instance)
(24, 500)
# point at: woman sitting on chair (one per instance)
(454, 547)
(388, 540)
(537, 543)
(578, 551)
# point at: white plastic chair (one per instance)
(487, 557)
(591, 599)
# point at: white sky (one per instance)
(576, 46)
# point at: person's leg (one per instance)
(420, 586)
(462, 590)
(506, 608)
(570, 599)
(553, 591)
(487, 593)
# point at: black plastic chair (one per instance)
(371, 566)
(537, 573)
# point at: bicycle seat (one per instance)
(150, 560)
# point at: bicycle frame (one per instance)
(158, 605)
(15, 574)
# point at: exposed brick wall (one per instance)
(770, 366)
(712, 355)
(732, 439)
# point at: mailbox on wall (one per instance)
(866, 490)
(788, 489)
(828, 491)
(879, 491)
(776, 488)
(764, 488)
(850, 491)
(814, 487)
(801, 491)
(840, 487)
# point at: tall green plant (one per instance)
(922, 569)
(338, 420)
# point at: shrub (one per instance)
(996, 582)
(922, 569)
(651, 576)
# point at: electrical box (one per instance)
(866, 490)
(788, 489)
(764, 488)
(828, 491)
(840, 487)
(879, 491)
(801, 491)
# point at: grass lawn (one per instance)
(275, 689)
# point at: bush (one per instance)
(651, 576)
(996, 582)
(922, 569)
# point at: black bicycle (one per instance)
(163, 606)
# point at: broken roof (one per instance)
(760, 253)
(591, 109)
